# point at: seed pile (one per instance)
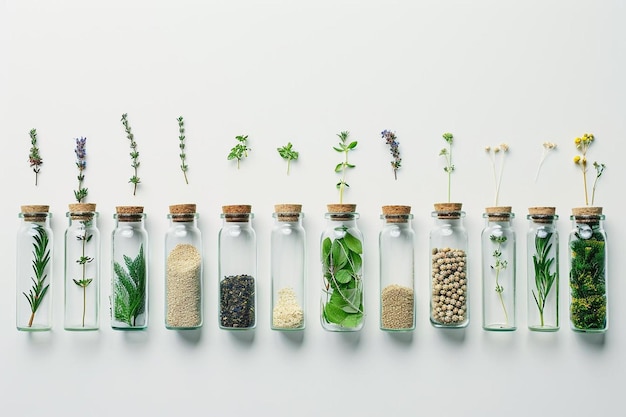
(287, 313)
(397, 307)
(237, 301)
(184, 270)
(449, 286)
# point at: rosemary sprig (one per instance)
(134, 154)
(34, 157)
(181, 137)
(544, 279)
(130, 289)
(41, 259)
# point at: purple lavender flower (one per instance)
(81, 164)
(390, 139)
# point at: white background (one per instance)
(487, 71)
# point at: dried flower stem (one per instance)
(181, 145)
(547, 147)
(497, 171)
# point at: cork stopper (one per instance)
(542, 214)
(288, 212)
(498, 213)
(81, 211)
(448, 210)
(35, 213)
(236, 213)
(129, 213)
(183, 212)
(587, 214)
(341, 211)
(397, 214)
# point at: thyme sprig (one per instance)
(181, 145)
(447, 154)
(288, 153)
(544, 277)
(40, 262)
(344, 147)
(83, 261)
(134, 154)
(499, 266)
(240, 150)
(34, 157)
(391, 140)
(81, 164)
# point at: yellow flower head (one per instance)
(576, 159)
(577, 141)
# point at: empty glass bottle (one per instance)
(237, 269)
(543, 269)
(183, 269)
(82, 268)
(449, 302)
(397, 267)
(34, 269)
(129, 266)
(588, 271)
(288, 268)
(498, 267)
(342, 268)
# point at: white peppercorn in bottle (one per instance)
(448, 268)
(397, 266)
(129, 270)
(237, 269)
(288, 270)
(34, 269)
(183, 269)
(498, 270)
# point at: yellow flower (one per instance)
(576, 159)
(577, 141)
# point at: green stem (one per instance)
(449, 169)
(585, 181)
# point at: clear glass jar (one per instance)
(82, 268)
(588, 271)
(288, 268)
(397, 268)
(183, 269)
(34, 269)
(129, 267)
(237, 269)
(542, 265)
(342, 268)
(449, 302)
(498, 270)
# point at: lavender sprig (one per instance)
(134, 154)
(34, 157)
(81, 164)
(390, 139)
(181, 137)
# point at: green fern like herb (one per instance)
(544, 278)
(130, 289)
(588, 283)
(342, 277)
(41, 260)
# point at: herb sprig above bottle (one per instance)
(344, 147)
(181, 145)
(447, 154)
(240, 150)
(289, 154)
(392, 140)
(134, 154)
(582, 144)
(497, 156)
(34, 157)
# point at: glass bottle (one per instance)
(237, 269)
(82, 268)
(397, 266)
(498, 270)
(288, 268)
(543, 269)
(588, 271)
(449, 302)
(342, 267)
(183, 269)
(129, 267)
(34, 269)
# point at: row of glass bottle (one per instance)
(341, 257)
